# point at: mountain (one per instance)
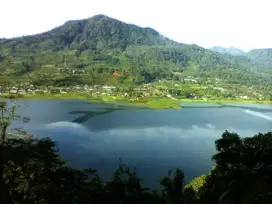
(90, 50)
(98, 32)
(231, 50)
(261, 56)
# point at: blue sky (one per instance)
(245, 24)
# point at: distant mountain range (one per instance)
(262, 57)
(100, 45)
(231, 50)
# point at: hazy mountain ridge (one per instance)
(258, 57)
(261, 56)
(231, 50)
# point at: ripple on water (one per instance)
(258, 114)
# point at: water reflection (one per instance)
(152, 150)
(147, 149)
(86, 115)
(97, 135)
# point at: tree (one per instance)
(243, 170)
(173, 187)
(197, 183)
(7, 115)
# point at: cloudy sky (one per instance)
(245, 24)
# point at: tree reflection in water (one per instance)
(86, 115)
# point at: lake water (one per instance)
(97, 135)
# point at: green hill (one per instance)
(90, 50)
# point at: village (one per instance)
(189, 89)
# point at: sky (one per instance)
(245, 24)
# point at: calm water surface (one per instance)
(97, 135)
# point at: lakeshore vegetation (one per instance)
(148, 102)
(157, 94)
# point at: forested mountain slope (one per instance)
(94, 48)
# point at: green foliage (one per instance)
(197, 183)
(7, 114)
(243, 170)
(89, 51)
(35, 173)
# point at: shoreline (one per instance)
(147, 102)
(226, 101)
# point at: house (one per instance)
(108, 87)
(244, 97)
(219, 88)
(13, 91)
(21, 91)
(63, 92)
(190, 79)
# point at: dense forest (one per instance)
(32, 171)
(93, 49)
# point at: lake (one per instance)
(97, 135)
